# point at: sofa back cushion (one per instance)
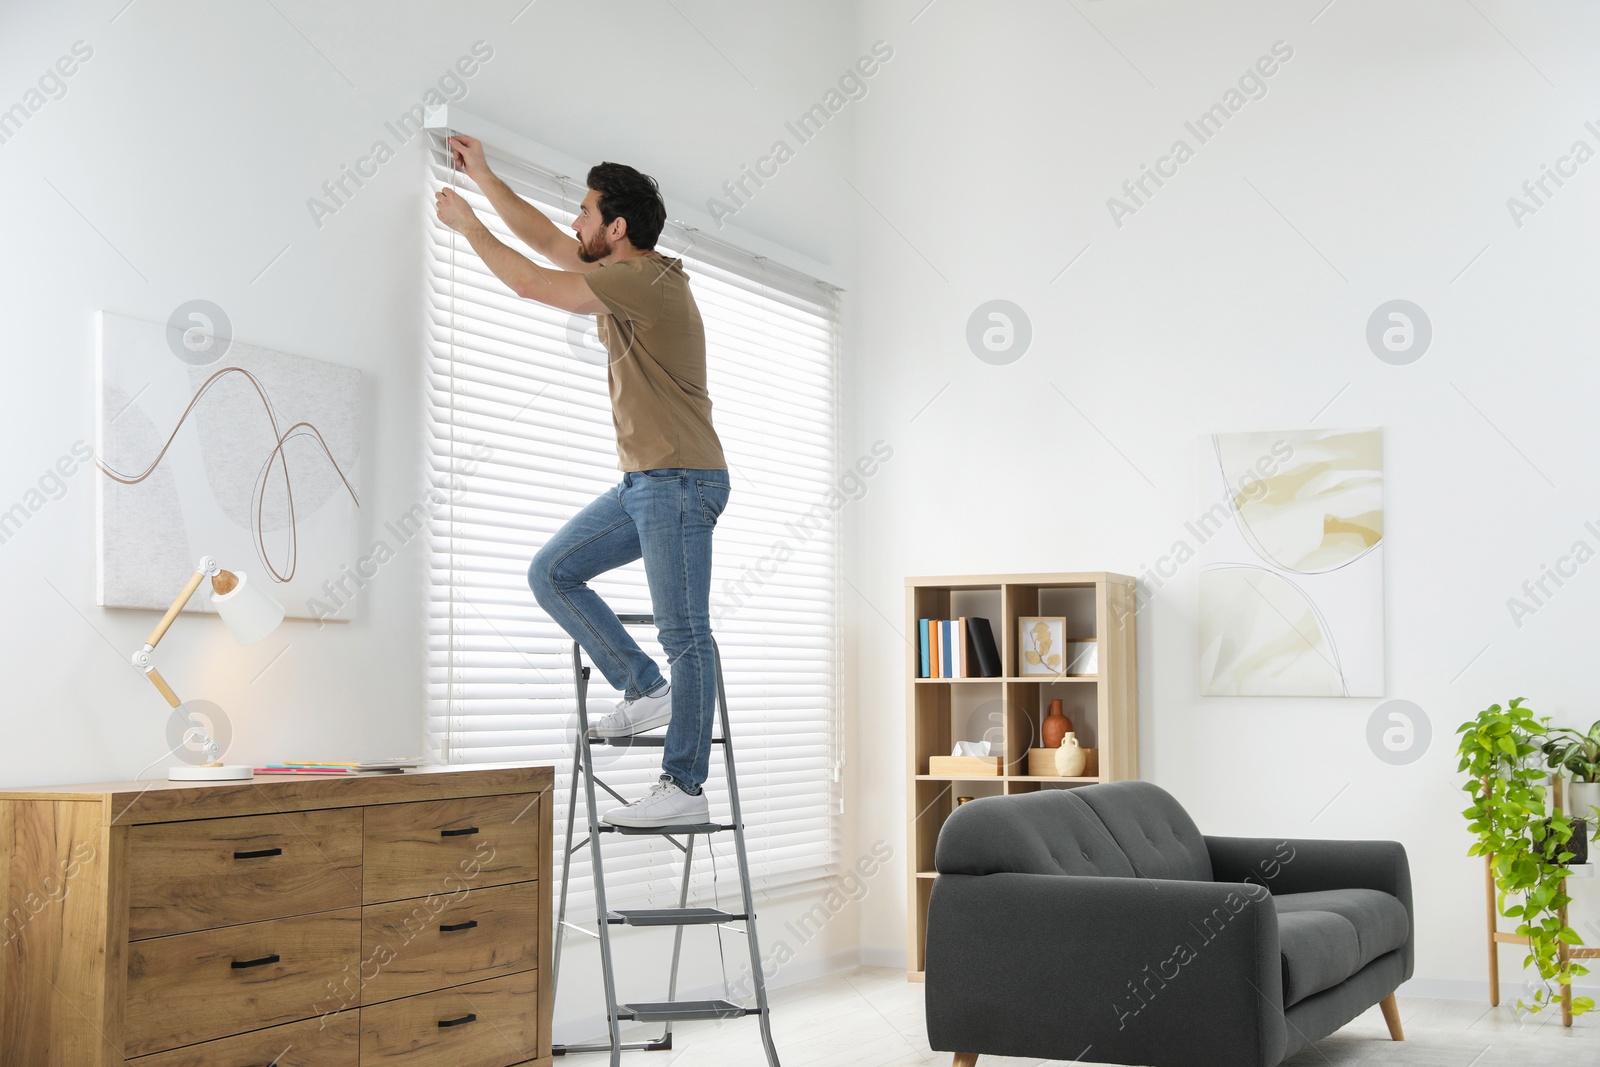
(1114, 829)
(1048, 832)
(1152, 829)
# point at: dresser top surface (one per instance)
(159, 800)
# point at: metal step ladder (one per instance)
(670, 1010)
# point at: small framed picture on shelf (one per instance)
(1041, 645)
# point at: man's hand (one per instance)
(523, 219)
(454, 211)
(469, 157)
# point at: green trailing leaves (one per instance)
(1510, 819)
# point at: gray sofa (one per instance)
(1097, 924)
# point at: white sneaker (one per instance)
(637, 716)
(664, 805)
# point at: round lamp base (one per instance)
(230, 772)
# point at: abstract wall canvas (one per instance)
(1291, 582)
(253, 458)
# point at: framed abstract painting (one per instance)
(1291, 582)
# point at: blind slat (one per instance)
(520, 437)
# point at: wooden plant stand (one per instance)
(1565, 952)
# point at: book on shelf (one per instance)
(962, 647)
(983, 648)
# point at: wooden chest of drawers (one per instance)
(298, 922)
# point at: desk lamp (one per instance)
(251, 614)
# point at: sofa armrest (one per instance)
(1309, 865)
(1123, 970)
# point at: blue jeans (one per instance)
(666, 517)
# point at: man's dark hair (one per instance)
(628, 194)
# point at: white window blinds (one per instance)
(520, 438)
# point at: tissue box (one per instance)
(966, 766)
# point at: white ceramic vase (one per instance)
(1070, 759)
(1582, 800)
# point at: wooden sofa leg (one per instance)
(1391, 1015)
(965, 1059)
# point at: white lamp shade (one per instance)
(250, 612)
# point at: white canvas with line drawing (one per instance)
(254, 458)
(1291, 583)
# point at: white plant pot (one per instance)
(1583, 798)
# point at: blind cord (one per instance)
(456, 727)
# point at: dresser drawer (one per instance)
(417, 946)
(187, 876)
(444, 846)
(331, 1042)
(195, 987)
(486, 1024)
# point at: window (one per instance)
(520, 437)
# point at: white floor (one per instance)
(872, 1017)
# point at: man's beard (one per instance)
(589, 255)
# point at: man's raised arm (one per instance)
(525, 220)
(565, 289)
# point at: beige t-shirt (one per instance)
(657, 366)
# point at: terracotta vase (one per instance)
(1056, 726)
(1070, 759)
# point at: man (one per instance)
(675, 479)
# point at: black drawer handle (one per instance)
(260, 853)
(465, 832)
(240, 965)
(464, 1020)
(470, 924)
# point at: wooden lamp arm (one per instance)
(161, 684)
(177, 605)
(221, 582)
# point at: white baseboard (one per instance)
(894, 958)
(1474, 989)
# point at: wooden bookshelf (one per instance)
(1103, 707)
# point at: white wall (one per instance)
(1387, 147)
(179, 161)
(178, 164)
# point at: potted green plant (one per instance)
(1506, 781)
(1578, 756)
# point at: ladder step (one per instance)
(638, 741)
(672, 917)
(682, 837)
(684, 1010)
(682, 828)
